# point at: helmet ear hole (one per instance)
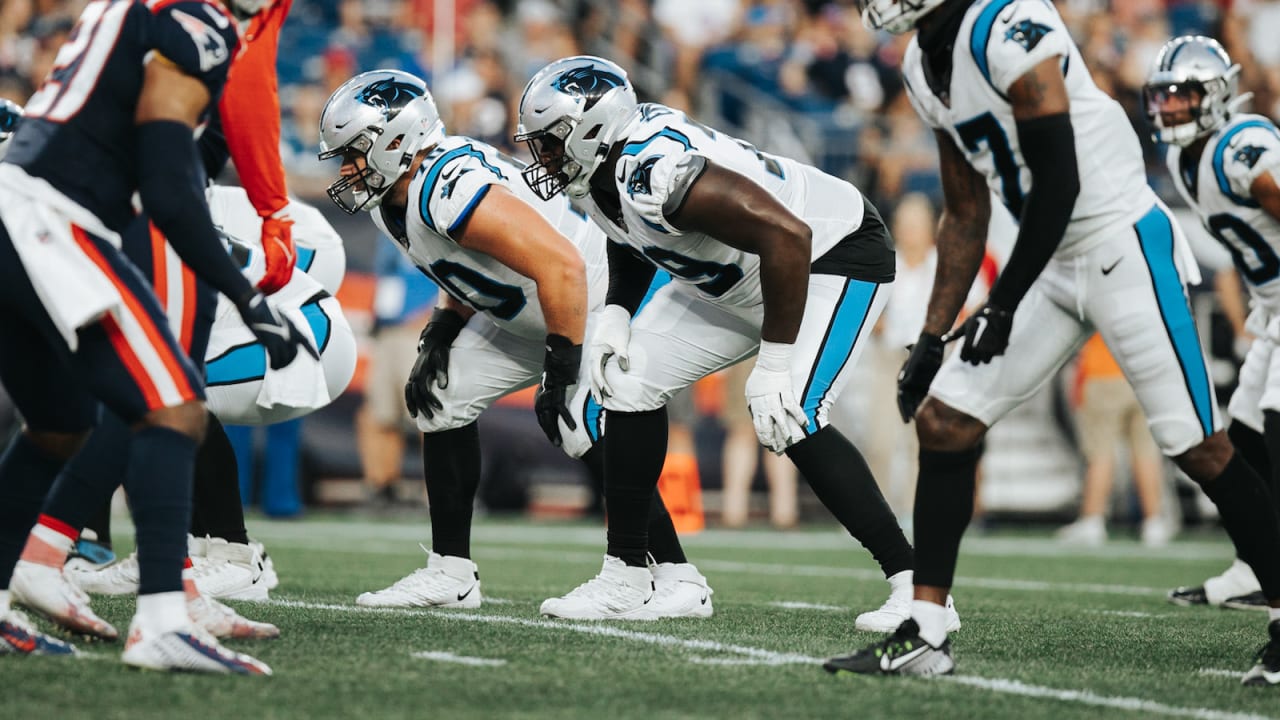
(593, 132)
(395, 144)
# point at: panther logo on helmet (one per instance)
(589, 82)
(389, 96)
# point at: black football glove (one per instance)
(274, 332)
(986, 334)
(560, 370)
(433, 361)
(917, 374)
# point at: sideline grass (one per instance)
(1101, 633)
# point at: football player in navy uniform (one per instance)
(80, 326)
(1016, 114)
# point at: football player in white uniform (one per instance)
(1010, 100)
(520, 278)
(1223, 163)
(768, 257)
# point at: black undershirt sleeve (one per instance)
(629, 277)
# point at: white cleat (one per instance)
(230, 571)
(189, 649)
(118, 578)
(1085, 532)
(48, 592)
(1237, 580)
(269, 575)
(619, 592)
(679, 590)
(221, 621)
(897, 609)
(446, 582)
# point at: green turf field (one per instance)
(1047, 633)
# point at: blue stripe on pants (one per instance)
(591, 413)
(1155, 236)
(846, 324)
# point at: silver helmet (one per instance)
(382, 119)
(570, 113)
(10, 117)
(896, 16)
(1193, 76)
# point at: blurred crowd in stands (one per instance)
(802, 78)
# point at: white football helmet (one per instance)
(10, 117)
(1192, 75)
(570, 113)
(384, 118)
(896, 16)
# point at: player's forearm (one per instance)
(445, 301)
(961, 246)
(784, 282)
(1048, 146)
(562, 294)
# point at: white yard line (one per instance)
(1127, 613)
(737, 655)
(1221, 672)
(797, 605)
(448, 657)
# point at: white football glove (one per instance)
(611, 338)
(777, 416)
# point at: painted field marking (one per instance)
(1221, 672)
(1127, 613)
(747, 655)
(797, 605)
(449, 657)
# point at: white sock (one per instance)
(163, 612)
(1273, 614)
(932, 619)
(4, 603)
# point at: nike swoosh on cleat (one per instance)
(704, 599)
(891, 664)
(463, 596)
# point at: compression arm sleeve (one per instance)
(172, 192)
(1049, 149)
(629, 277)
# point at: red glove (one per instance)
(278, 251)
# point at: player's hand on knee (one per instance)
(917, 374)
(986, 334)
(560, 371)
(432, 365)
(778, 418)
(610, 340)
(274, 332)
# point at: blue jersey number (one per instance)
(1238, 238)
(985, 130)
(711, 278)
(481, 292)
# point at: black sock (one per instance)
(26, 474)
(633, 463)
(1249, 516)
(216, 507)
(100, 524)
(664, 542)
(451, 466)
(159, 480)
(594, 460)
(944, 506)
(1271, 475)
(1252, 445)
(841, 479)
(83, 490)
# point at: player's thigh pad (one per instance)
(485, 363)
(677, 339)
(1141, 309)
(1246, 402)
(1044, 336)
(839, 315)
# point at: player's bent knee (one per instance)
(1206, 461)
(942, 428)
(61, 445)
(189, 418)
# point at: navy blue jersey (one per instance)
(78, 129)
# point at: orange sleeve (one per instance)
(250, 110)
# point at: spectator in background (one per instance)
(402, 306)
(300, 141)
(1109, 415)
(741, 454)
(692, 27)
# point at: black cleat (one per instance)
(1188, 596)
(902, 653)
(1266, 668)
(1248, 601)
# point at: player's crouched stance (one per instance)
(519, 278)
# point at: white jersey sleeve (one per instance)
(456, 180)
(1251, 151)
(660, 171)
(1022, 34)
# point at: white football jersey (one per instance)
(1219, 190)
(661, 148)
(999, 41)
(453, 179)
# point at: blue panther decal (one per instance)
(389, 96)
(1028, 34)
